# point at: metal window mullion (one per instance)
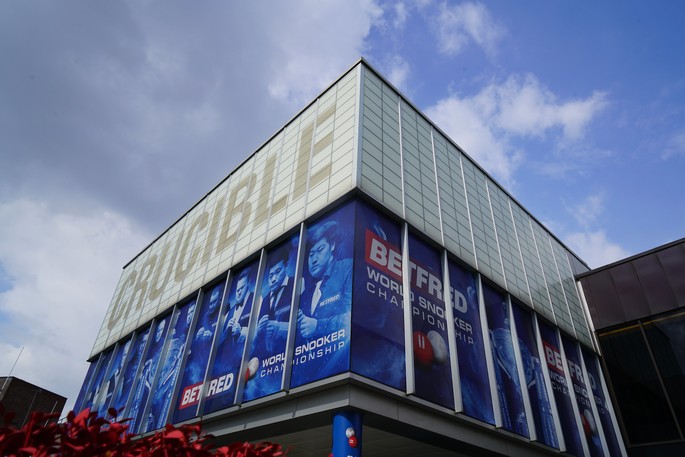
(315, 124)
(494, 227)
(583, 303)
(184, 354)
(333, 144)
(548, 386)
(588, 318)
(563, 291)
(609, 405)
(523, 262)
(136, 376)
(399, 120)
(532, 433)
(572, 396)
(468, 211)
(162, 357)
(257, 303)
(242, 214)
(90, 381)
(121, 376)
(407, 308)
(544, 276)
(107, 370)
(591, 397)
(359, 110)
(661, 380)
(213, 348)
(437, 190)
(294, 306)
(274, 184)
(492, 381)
(451, 335)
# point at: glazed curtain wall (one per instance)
(356, 293)
(411, 167)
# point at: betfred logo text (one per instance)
(191, 395)
(388, 259)
(220, 384)
(553, 357)
(383, 255)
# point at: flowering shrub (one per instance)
(86, 435)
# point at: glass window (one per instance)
(639, 395)
(666, 337)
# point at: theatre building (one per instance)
(360, 286)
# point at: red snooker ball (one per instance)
(423, 350)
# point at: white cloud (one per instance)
(488, 124)
(458, 25)
(526, 107)
(401, 15)
(588, 211)
(595, 248)
(314, 42)
(397, 70)
(64, 269)
(675, 146)
(468, 123)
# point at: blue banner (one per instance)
(473, 367)
(432, 369)
(264, 371)
(377, 316)
(582, 395)
(166, 379)
(506, 374)
(562, 396)
(221, 385)
(135, 355)
(112, 377)
(147, 374)
(535, 381)
(594, 374)
(80, 399)
(189, 390)
(322, 342)
(96, 393)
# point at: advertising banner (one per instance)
(147, 374)
(562, 395)
(135, 354)
(266, 362)
(506, 374)
(535, 380)
(593, 373)
(230, 343)
(189, 390)
(582, 395)
(322, 342)
(473, 368)
(377, 316)
(166, 380)
(96, 394)
(112, 377)
(80, 399)
(432, 369)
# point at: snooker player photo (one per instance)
(323, 318)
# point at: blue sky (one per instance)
(115, 117)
